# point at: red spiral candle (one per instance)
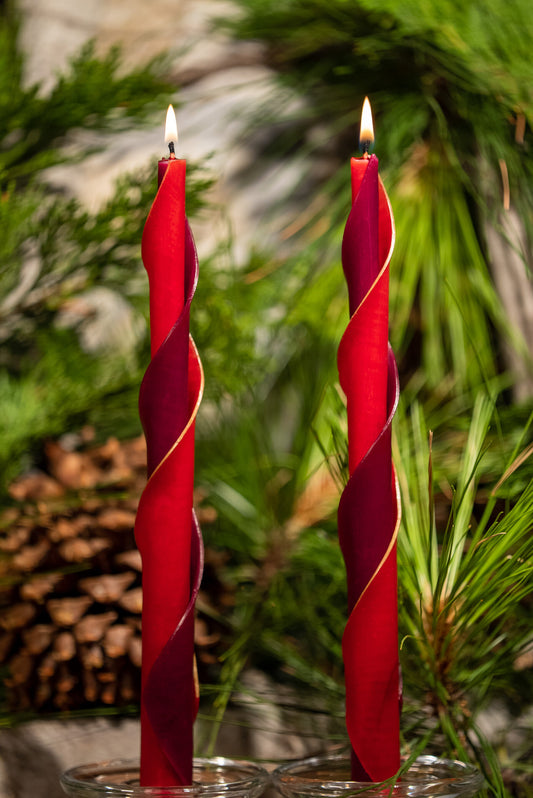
(166, 529)
(369, 512)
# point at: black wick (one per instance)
(171, 147)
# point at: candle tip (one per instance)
(366, 134)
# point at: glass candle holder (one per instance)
(216, 777)
(329, 777)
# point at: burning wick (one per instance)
(171, 131)
(366, 134)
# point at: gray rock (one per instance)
(226, 85)
(104, 321)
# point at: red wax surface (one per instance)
(166, 278)
(367, 408)
(358, 167)
(162, 168)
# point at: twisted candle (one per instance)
(369, 511)
(166, 529)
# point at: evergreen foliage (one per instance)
(449, 84)
(465, 586)
(91, 95)
(51, 249)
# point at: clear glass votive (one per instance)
(330, 777)
(216, 777)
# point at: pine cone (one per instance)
(63, 618)
(70, 589)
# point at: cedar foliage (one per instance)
(51, 248)
(53, 251)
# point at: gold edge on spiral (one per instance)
(192, 417)
(396, 484)
(392, 542)
(388, 257)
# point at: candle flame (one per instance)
(366, 135)
(171, 128)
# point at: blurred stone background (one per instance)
(222, 85)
